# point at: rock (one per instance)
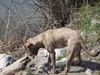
(44, 52)
(42, 58)
(61, 62)
(6, 60)
(77, 69)
(89, 72)
(61, 52)
(25, 72)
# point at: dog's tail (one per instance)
(91, 53)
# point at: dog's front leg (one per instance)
(52, 55)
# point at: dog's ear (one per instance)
(30, 46)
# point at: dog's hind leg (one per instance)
(71, 52)
(68, 61)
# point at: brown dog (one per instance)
(57, 38)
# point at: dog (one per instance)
(58, 38)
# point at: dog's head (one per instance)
(31, 48)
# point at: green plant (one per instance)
(89, 23)
(87, 14)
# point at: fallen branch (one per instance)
(16, 66)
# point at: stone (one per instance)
(61, 62)
(60, 52)
(44, 52)
(89, 72)
(6, 60)
(42, 58)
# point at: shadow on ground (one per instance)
(75, 69)
(87, 65)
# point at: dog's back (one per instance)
(58, 36)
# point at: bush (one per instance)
(89, 22)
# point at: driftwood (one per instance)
(16, 66)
